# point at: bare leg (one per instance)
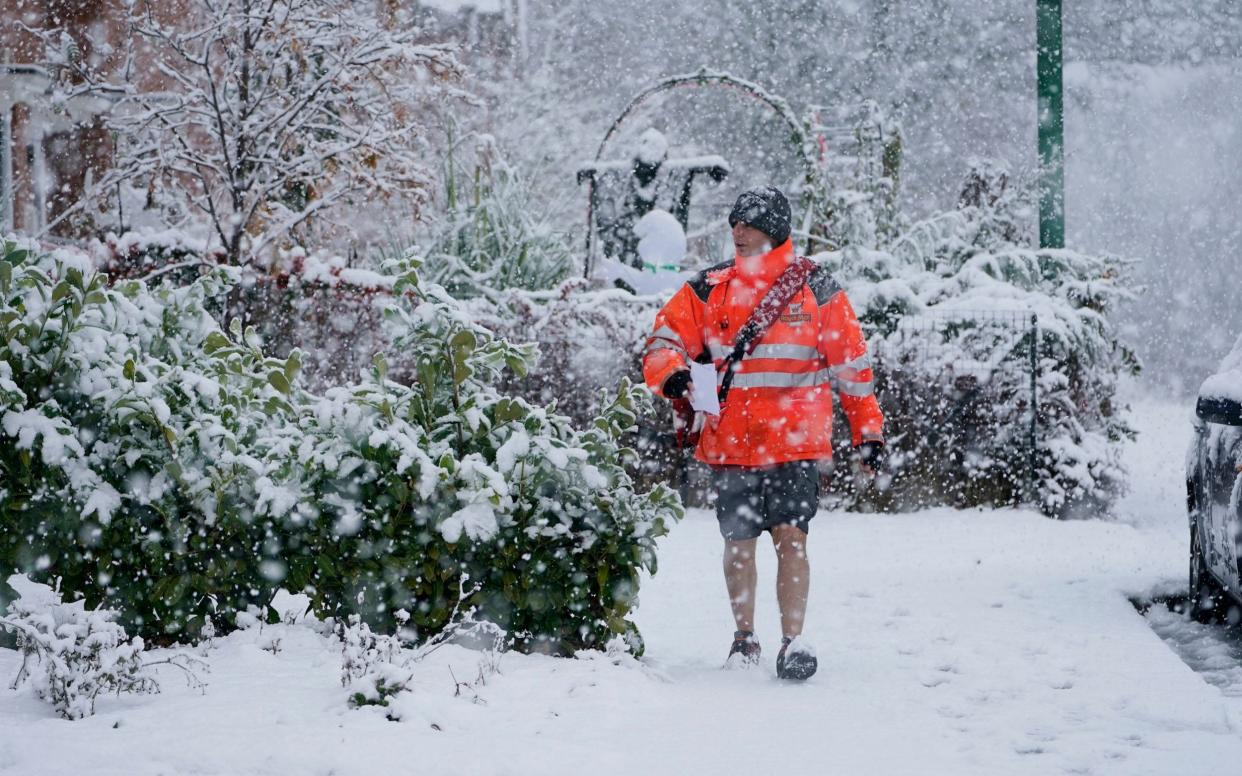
(793, 577)
(740, 578)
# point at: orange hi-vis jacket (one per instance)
(779, 407)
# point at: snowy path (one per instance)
(964, 643)
(978, 642)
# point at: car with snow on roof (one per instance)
(1214, 495)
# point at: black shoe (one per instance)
(745, 651)
(796, 660)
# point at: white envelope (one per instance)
(704, 398)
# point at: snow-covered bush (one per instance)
(71, 655)
(131, 429)
(489, 232)
(542, 516)
(155, 463)
(371, 663)
(589, 341)
(947, 308)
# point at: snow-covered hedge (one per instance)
(169, 469)
(590, 339)
(947, 309)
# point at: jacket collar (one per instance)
(766, 267)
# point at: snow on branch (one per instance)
(274, 114)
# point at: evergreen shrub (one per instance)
(158, 465)
(947, 310)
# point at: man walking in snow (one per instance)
(778, 330)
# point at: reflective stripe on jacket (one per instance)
(779, 407)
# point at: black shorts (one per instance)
(750, 501)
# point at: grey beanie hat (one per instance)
(766, 209)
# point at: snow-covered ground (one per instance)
(950, 642)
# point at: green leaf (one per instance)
(278, 381)
(508, 409)
(129, 370)
(6, 276)
(215, 341)
(381, 366)
(461, 347)
(325, 565)
(517, 364)
(293, 365)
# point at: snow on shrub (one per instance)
(371, 663)
(970, 269)
(541, 515)
(377, 667)
(70, 655)
(170, 470)
(589, 340)
(491, 231)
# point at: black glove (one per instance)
(676, 384)
(871, 454)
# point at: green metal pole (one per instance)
(1032, 485)
(1051, 125)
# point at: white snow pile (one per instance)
(652, 147)
(661, 240)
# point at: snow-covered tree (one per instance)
(273, 117)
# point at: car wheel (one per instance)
(1206, 600)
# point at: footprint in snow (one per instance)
(949, 712)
